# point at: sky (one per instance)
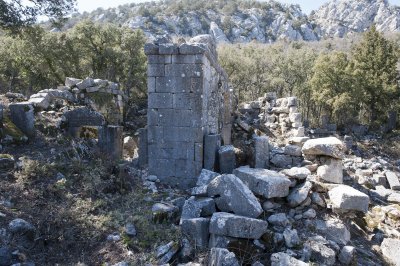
(89, 5)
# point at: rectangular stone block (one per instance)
(198, 152)
(186, 48)
(196, 230)
(261, 152)
(188, 59)
(151, 49)
(173, 84)
(160, 100)
(183, 134)
(162, 168)
(187, 118)
(211, 146)
(111, 141)
(184, 70)
(143, 147)
(151, 84)
(155, 134)
(188, 101)
(155, 70)
(168, 49)
(227, 159)
(393, 180)
(22, 115)
(159, 59)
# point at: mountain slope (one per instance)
(241, 21)
(340, 17)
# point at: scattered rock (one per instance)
(331, 171)
(232, 195)
(297, 172)
(391, 250)
(130, 230)
(348, 198)
(309, 214)
(346, 255)
(269, 184)
(222, 257)
(198, 207)
(279, 219)
(283, 259)
(21, 227)
(299, 194)
(319, 252)
(393, 180)
(164, 212)
(334, 230)
(291, 237)
(5, 256)
(228, 224)
(331, 147)
(197, 231)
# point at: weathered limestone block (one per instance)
(197, 231)
(111, 141)
(86, 83)
(228, 224)
(71, 82)
(391, 249)
(299, 194)
(348, 198)
(393, 180)
(293, 150)
(197, 207)
(222, 257)
(331, 171)
(297, 172)
(261, 152)
(269, 184)
(231, 194)
(211, 146)
(22, 115)
(227, 159)
(330, 146)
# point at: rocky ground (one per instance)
(62, 203)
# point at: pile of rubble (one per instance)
(256, 216)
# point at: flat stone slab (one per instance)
(232, 195)
(228, 224)
(297, 172)
(331, 147)
(269, 184)
(391, 250)
(347, 198)
(393, 180)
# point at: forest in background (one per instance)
(352, 80)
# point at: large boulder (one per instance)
(331, 147)
(266, 183)
(197, 207)
(228, 224)
(232, 195)
(347, 198)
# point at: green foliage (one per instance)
(351, 85)
(20, 13)
(36, 59)
(375, 72)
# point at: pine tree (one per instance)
(375, 72)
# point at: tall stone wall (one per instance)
(188, 98)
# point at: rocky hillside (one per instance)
(339, 17)
(241, 21)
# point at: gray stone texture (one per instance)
(227, 159)
(393, 180)
(197, 231)
(228, 224)
(347, 198)
(111, 141)
(22, 115)
(267, 183)
(261, 152)
(143, 148)
(391, 250)
(232, 195)
(330, 146)
(186, 103)
(222, 257)
(211, 146)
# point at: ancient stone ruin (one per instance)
(188, 100)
